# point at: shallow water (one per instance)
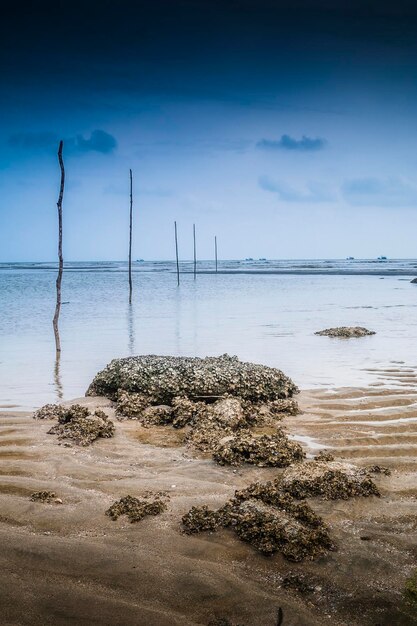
(268, 318)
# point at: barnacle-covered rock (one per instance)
(164, 377)
(345, 332)
(323, 455)
(49, 412)
(331, 480)
(268, 519)
(137, 508)
(270, 530)
(44, 496)
(262, 450)
(131, 405)
(82, 427)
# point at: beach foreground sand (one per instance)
(70, 563)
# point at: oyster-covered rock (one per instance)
(345, 332)
(49, 412)
(45, 496)
(162, 378)
(268, 519)
(137, 508)
(262, 450)
(331, 480)
(79, 425)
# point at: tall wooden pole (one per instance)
(195, 254)
(130, 238)
(176, 253)
(60, 256)
(215, 251)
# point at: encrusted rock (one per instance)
(262, 450)
(82, 427)
(323, 455)
(331, 480)
(136, 509)
(267, 519)
(346, 332)
(44, 496)
(49, 412)
(164, 377)
(131, 405)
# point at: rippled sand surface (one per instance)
(69, 563)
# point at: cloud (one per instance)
(313, 191)
(305, 144)
(99, 141)
(389, 192)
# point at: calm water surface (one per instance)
(255, 312)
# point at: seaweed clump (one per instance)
(269, 520)
(263, 450)
(345, 332)
(137, 508)
(331, 480)
(162, 378)
(79, 425)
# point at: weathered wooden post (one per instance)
(130, 239)
(60, 256)
(176, 253)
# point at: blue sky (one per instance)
(287, 129)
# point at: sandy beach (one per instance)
(70, 563)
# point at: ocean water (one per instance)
(262, 311)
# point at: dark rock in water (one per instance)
(345, 332)
(162, 378)
(414, 281)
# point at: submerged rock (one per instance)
(269, 520)
(162, 378)
(262, 450)
(345, 332)
(331, 480)
(78, 424)
(136, 509)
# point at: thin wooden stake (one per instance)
(176, 254)
(130, 238)
(215, 251)
(195, 254)
(60, 256)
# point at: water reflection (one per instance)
(57, 376)
(131, 329)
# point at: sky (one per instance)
(286, 128)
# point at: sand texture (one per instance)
(70, 563)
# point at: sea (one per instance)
(260, 310)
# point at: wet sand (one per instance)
(69, 563)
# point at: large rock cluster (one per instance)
(162, 378)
